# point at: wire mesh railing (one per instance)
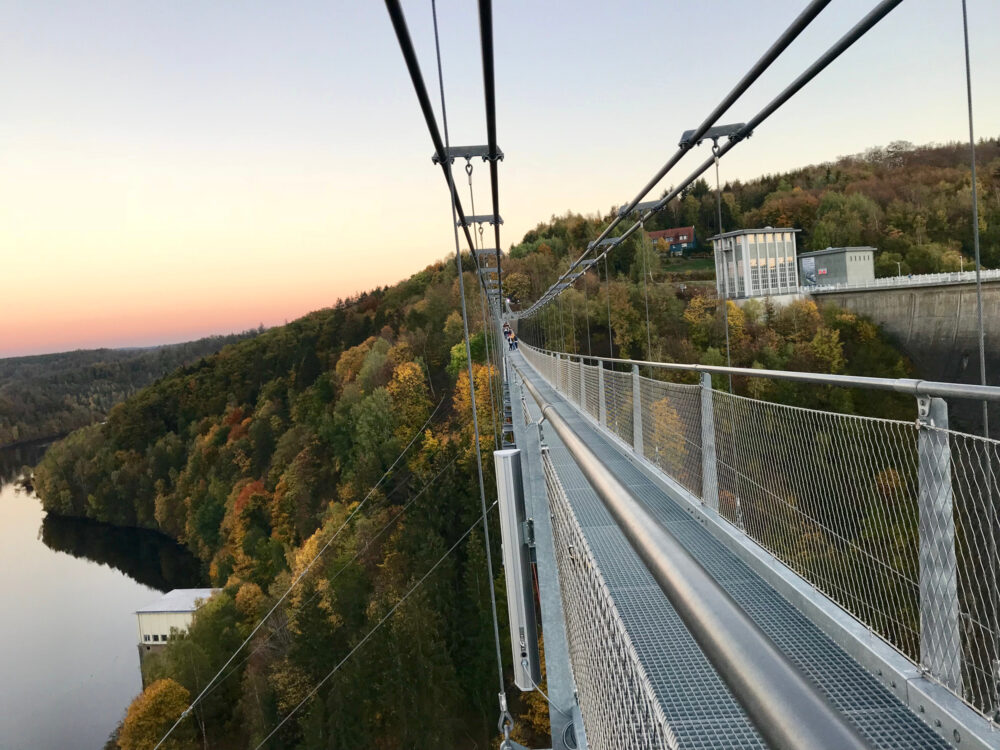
(591, 398)
(671, 430)
(896, 522)
(618, 703)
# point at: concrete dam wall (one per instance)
(937, 328)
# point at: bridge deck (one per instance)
(699, 708)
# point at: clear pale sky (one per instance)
(170, 170)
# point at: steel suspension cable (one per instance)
(773, 52)
(483, 306)
(502, 694)
(843, 44)
(371, 632)
(725, 301)
(607, 282)
(298, 578)
(489, 97)
(975, 222)
(645, 296)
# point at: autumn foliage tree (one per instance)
(152, 713)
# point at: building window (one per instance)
(163, 637)
(156, 638)
(145, 637)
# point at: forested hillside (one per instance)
(47, 395)
(255, 457)
(914, 204)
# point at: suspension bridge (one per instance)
(701, 578)
(706, 569)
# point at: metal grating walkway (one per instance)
(698, 706)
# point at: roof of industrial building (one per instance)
(179, 600)
(754, 230)
(835, 250)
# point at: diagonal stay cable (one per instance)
(374, 630)
(773, 52)
(836, 50)
(298, 578)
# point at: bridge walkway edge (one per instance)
(702, 712)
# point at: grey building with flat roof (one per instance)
(756, 263)
(837, 265)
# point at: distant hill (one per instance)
(257, 457)
(912, 203)
(49, 395)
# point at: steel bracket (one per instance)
(923, 410)
(468, 152)
(713, 134)
(481, 219)
(639, 207)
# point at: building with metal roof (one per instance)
(172, 612)
(837, 265)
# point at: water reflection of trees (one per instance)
(12, 460)
(146, 556)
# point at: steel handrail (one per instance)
(911, 386)
(787, 709)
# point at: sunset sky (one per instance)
(171, 170)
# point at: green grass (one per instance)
(679, 265)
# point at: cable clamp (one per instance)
(506, 722)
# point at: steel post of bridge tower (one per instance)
(602, 406)
(709, 477)
(940, 633)
(636, 412)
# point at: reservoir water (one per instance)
(68, 592)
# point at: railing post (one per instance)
(602, 400)
(583, 386)
(636, 413)
(940, 636)
(709, 477)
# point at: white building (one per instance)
(756, 263)
(175, 609)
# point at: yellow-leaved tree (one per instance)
(152, 713)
